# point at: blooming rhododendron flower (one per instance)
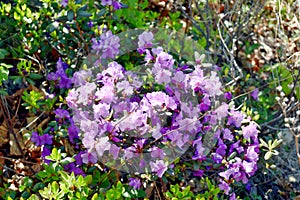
(254, 94)
(250, 131)
(61, 113)
(108, 43)
(145, 41)
(135, 183)
(159, 167)
(64, 3)
(224, 186)
(40, 140)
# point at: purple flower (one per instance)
(101, 145)
(117, 5)
(72, 168)
(212, 85)
(232, 197)
(148, 56)
(217, 158)
(227, 134)
(205, 103)
(249, 167)
(198, 173)
(221, 149)
(221, 111)
(254, 94)
(46, 139)
(46, 152)
(106, 2)
(61, 113)
(251, 153)
(35, 138)
(163, 76)
(108, 44)
(114, 150)
(73, 133)
(235, 118)
(159, 167)
(80, 77)
(160, 99)
(89, 157)
(78, 158)
(114, 71)
(164, 61)
(52, 76)
(226, 174)
(199, 153)
(236, 146)
(228, 95)
(90, 24)
(145, 40)
(157, 153)
(61, 66)
(40, 140)
(224, 186)
(135, 183)
(60, 75)
(248, 187)
(250, 131)
(65, 82)
(64, 3)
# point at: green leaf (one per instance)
(102, 12)
(35, 76)
(25, 194)
(3, 92)
(70, 15)
(80, 181)
(88, 179)
(3, 74)
(33, 197)
(62, 19)
(268, 155)
(175, 15)
(83, 8)
(54, 187)
(64, 176)
(82, 13)
(3, 53)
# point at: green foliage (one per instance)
(211, 191)
(177, 193)
(32, 100)
(270, 147)
(287, 79)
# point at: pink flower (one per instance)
(159, 167)
(224, 186)
(250, 131)
(135, 183)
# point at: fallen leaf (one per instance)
(14, 150)
(3, 135)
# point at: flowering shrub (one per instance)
(141, 122)
(142, 117)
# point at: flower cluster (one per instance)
(116, 4)
(125, 122)
(40, 140)
(108, 45)
(60, 75)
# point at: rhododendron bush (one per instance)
(141, 121)
(138, 99)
